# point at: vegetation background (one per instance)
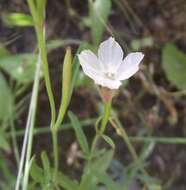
(151, 106)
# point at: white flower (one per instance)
(109, 68)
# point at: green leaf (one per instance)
(65, 182)
(106, 180)
(88, 181)
(109, 140)
(36, 173)
(18, 19)
(4, 144)
(5, 94)
(79, 133)
(20, 67)
(174, 64)
(46, 165)
(99, 12)
(147, 150)
(100, 164)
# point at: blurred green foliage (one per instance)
(17, 19)
(174, 64)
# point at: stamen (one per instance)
(110, 75)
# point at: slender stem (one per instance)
(46, 129)
(160, 140)
(32, 122)
(56, 153)
(23, 152)
(88, 122)
(106, 115)
(29, 125)
(107, 108)
(42, 47)
(123, 134)
(94, 143)
(40, 32)
(129, 145)
(104, 121)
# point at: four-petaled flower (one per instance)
(109, 68)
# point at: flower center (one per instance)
(110, 75)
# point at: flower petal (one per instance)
(110, 55)
(90, 64)
(111, 84)
(129, 66)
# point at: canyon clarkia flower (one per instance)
(108, 68)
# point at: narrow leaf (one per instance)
(36, 173)
(106, 180)
(102, 163)
(18, 19)
(79, 133)
(66, 183)
(147, 150)
(109, 141)
(46, 165)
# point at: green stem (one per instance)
(129, 145)
(106, 115)
(107, 108)
(46, 129)
(60, 117)
(104, 121)
(40, 32)
(123, 134)
(55, 153)
(94, 143)
(28, 136)
(42, 47)
(31, 124)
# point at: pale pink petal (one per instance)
(129, 66)
(90, 64)
(110, 55)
